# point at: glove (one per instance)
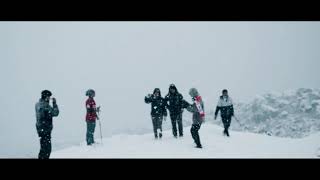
(149, 95)
(54, 101)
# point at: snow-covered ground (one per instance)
(239, 145)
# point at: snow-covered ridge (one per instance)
(294, 113)
(215, 145)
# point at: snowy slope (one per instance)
(239, 145)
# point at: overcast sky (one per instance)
(124, 61)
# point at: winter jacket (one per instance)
(174, 102)
(225, 105)
(91, 115)
(44, 114)
(196, 117)
(158, 105)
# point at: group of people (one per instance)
(175, 104)
(45, 112)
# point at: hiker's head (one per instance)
(193, 92)
(157, 92)
(91, 93)
(45, 95)
(224, 92)
(172, 89)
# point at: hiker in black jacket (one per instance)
(174, 103)
(158, 111)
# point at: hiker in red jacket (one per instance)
(91, 116)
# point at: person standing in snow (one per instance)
(158, 111)
(174, 103)
(197, 108)
(44, 114)
(91, 116)
(225, 106)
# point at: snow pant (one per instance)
(176, 118)
(195, 133)
(45, 142)
(157, 124)
(226, 122)
(90, 132)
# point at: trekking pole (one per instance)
(98, 110)
(237, 120)
(240, 123)
(100, 132)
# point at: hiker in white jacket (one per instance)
(225, 105)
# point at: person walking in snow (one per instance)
(91, 116)
(174, 103)
(158, 111)
(197, 108)
(44, 114)
(225, 106)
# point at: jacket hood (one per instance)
(193, 92)
(90, 93)
(157, 89)
(172, 86)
